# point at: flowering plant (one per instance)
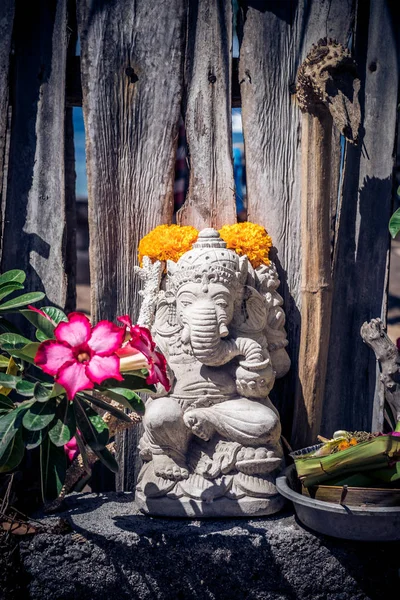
(90, 368)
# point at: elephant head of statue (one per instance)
(211, 306)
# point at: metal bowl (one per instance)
(365, 523)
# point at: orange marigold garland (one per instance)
(167, 242)
(250, 239)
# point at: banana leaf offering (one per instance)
(351, 458)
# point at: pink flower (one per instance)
(81, 356)
(139, 352)
(71, 449)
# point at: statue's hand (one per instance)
(254, 384)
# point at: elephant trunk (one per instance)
(205, 337)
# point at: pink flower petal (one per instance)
(141, 340)
(73, 378)
(52, 355)
(106, 338)
(100, 368)
(158, 371)
(125, 320)
(74, 332)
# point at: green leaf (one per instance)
(107, 459)
(22, 301)
(5, 290)
(6, 403)
(131, 382)
(9, 341)
(110, 408)
(11, 276)
(65, 425)
(4, 360)
(32, 439)
(25, 388)
(394, 223)
(13, 453)
(53, 467)
(92, 427)
(45, 326)
(127, 398)
(41, 336)
(31, 349)
(55, 314)
(57, 390)
(19, 347)
(39, 415)
(10, 423)
(42, 393)
(9, 381)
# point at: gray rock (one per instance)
(121, 553)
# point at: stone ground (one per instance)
(114, 552)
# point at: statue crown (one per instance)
(208, 258)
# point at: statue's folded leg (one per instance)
(242, 420)
(166, 438)
(254, 425)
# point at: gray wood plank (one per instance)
(34, 234)
(360, 272)
(6, 28)
(208, 80)
(132, 79)
(276, 38)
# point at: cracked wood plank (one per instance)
(35, 219)
(208, 80)
(6, 27)
(131, 69)
(276, 38)
(354, 394)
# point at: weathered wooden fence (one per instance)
(144, 63)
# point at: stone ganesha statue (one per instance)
(212, 445)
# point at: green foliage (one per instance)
(23, 300)
(394, 223)
(92, 427)
(38, 414)
(64, 426)
(127, 398)
(53, 463)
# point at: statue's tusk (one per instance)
(185, 337)
(223, 330)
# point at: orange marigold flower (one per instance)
(343, 445)
(167, 242)
(353, 441)
(250, 239)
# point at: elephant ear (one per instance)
(251, 315)
(165, 322)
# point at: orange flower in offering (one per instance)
(343, 445)
(250, 239)
(353, 442)
(167, 242)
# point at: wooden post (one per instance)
(275, 41)
(132, 81)
(34, 236)
(208, 79)
(316, 276)
(6, 28)
(327, 92)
